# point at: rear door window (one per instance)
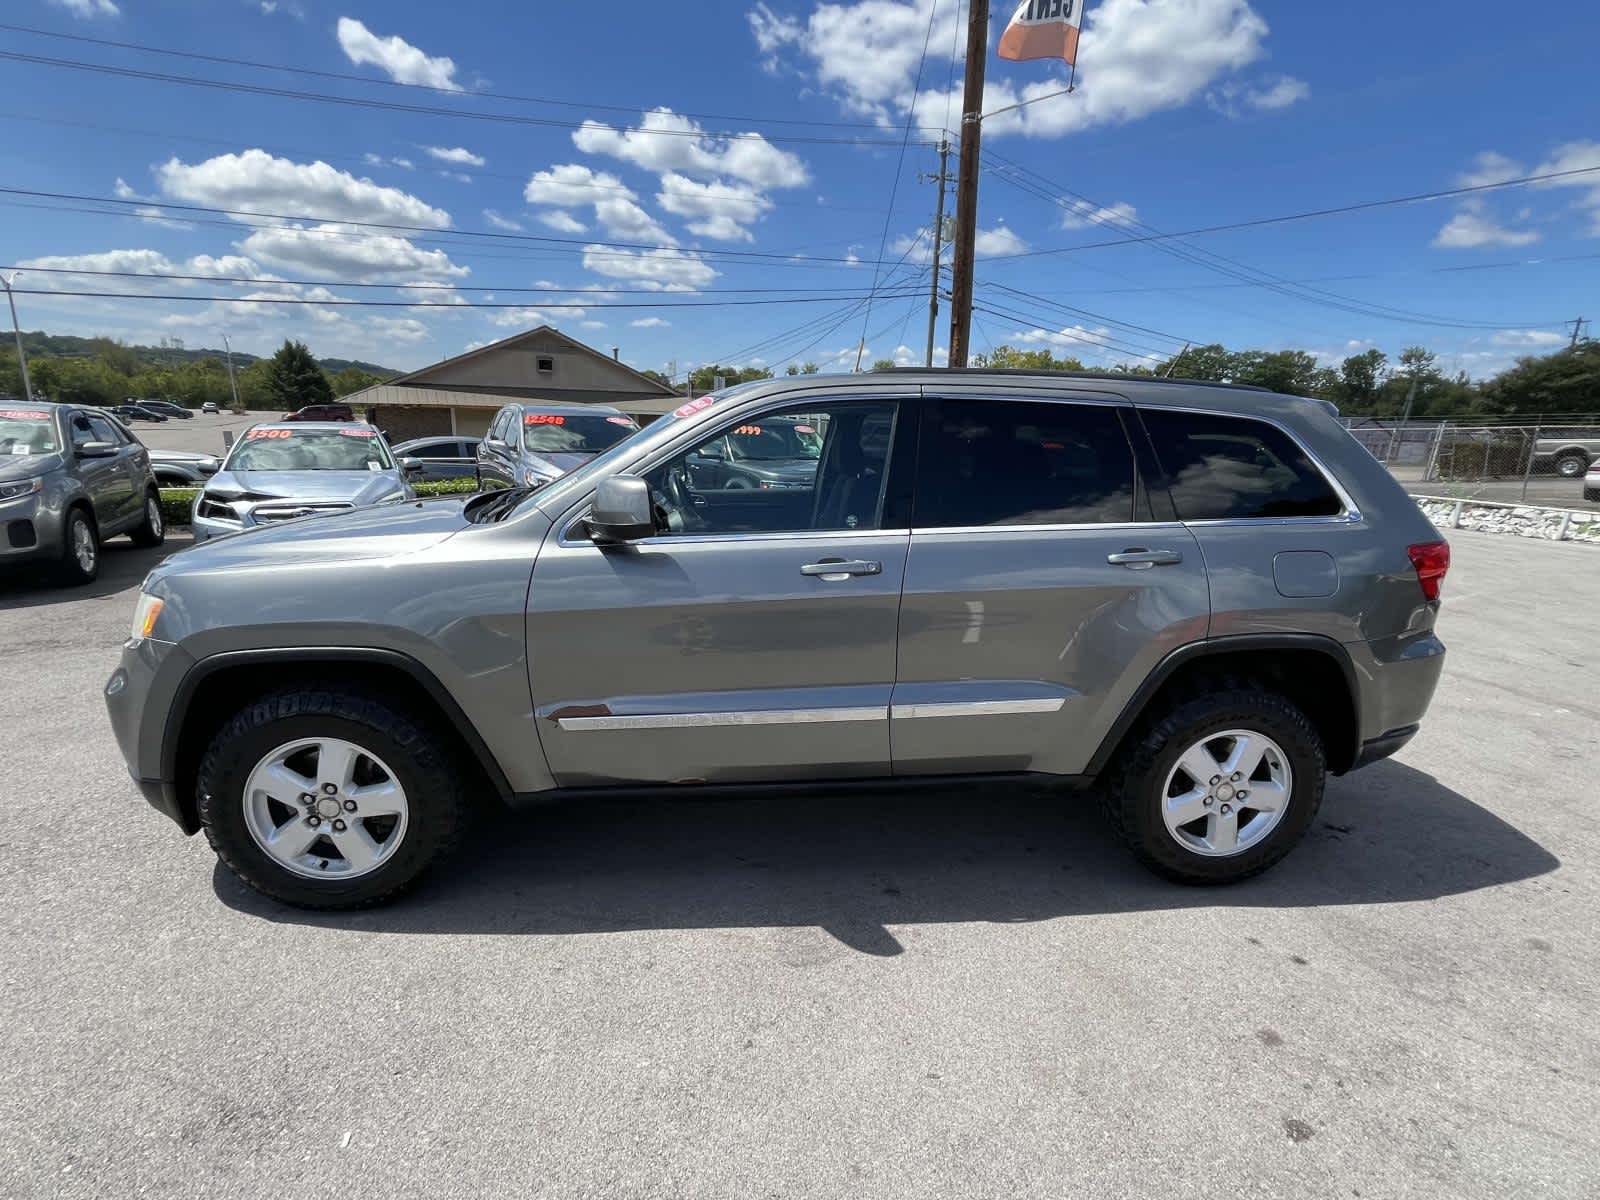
(1236, 468)
(1004, 462)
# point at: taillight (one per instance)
(1431, 560)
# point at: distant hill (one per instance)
(66, 345)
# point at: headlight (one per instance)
(15, 491)
(145, 614)
(212, 510)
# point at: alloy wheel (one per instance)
(83, 547)
(325, 808)
(1227, 792)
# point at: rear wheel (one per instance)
(80, 549)
(152, 531)
(1218, 787)
(1570, 466)
(329, 798)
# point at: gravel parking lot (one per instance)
(964, 994)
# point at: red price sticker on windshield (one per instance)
(257, 434)
(748, 431)
(628, 421)
(24, 414)
(694, 406)
(804, 429)
(366, 433)
(544, 419)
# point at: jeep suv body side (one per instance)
(1199, 597)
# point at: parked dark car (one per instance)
(183, 468)
(775, 454)
(528, 445)
(321, 412)
(167, 409)
(137, 412)
(428, 460)
(71, 477)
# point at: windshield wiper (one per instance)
(493, 506)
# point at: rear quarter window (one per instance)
(1236, 468)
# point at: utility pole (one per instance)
(232, 386)
(967, 182)
(1577, 332)
(22, 357)
(938, 246)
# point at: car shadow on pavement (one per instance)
(858, 865)
(122, 566)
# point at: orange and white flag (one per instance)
(1043, 29)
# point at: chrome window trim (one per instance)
(976, 708)
(936, 530)
(717, 720)
(1352, 511)
(675, 539)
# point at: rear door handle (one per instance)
(833, 570)
(1137, 558)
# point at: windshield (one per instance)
(774, 440)
(310, 450)
(25, 431)
(574, 433)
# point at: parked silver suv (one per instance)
(1194, 600)
(71, 477)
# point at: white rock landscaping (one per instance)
(1523, 520)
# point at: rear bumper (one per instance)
(1397, 677)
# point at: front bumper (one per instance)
(30, 529)
(139, 695)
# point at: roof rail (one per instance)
(1117, 375)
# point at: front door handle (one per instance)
(1137, 558)
(834, 570)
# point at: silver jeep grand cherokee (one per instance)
(1194, 600)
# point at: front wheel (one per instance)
(80, 549)
(1570, 466)
(152, 531)
(1218, 787)
(329, 799)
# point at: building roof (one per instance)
(424, 375)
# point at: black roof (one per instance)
(1118, 376)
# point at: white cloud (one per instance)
(662, 270)
(1079, 214)
(624, 220)
(399, 329)
(87, 10)
(1528, 337)
(1475, 226)
(650, 323)
(719, 210)
(1235, 97)
(1077, 338)
(675, 143)
(348, 253)
(256, 181)
(592, 324)
(572, 185)
(402, 61)
(459, 155)
(562, 222)
(500, 222)
(999, 240)
(1139, 57)
(1490, 168)
(141, 262)
(378, 160)
(527, 318)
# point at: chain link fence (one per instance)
(1516, 464)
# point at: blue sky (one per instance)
(1189, 113)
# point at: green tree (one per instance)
(1212, 363)
(296, 379)
(883, 364)
(809, 368)
(1567, 381)
(1010, 358)
(1361, 379)
(353, 379)
(704, 379)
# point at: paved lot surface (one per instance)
(959, 995)
(202, 434)
(1549, 491)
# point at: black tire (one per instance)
(1133, 797)
(1572, 466)
(1591, 493)
(152, 531)
(408, 742)
(70, 570)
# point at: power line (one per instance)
(256, 89)
(478, 172)
(341, 303)
(420, 87)
(1086, 312)
(1088, 339)
(899, 166)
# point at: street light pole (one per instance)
(232, 386)
(22, 356)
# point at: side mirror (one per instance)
(97, 450)
(621, 511)
(411, 465)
